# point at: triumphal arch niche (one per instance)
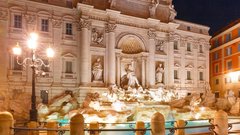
(131, 62)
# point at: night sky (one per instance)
(213, 13)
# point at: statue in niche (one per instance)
(96, 36)
(97, 70)
(159, 73)
(129, 79)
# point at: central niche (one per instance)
(131, 45)
(130, 65)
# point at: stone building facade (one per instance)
(225, 60)
(96, 44)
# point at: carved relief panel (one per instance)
(97, 37)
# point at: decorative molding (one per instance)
(57, 23)
(151, 34)
(110, 27)
(201, 67)
(3, 14)
(189, 66)
(176, 64)
(31, 18)
(174, 37)
(84, 23)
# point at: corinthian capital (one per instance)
(110, 27)
(85, 23)
(151, 34)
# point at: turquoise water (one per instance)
(147, 125)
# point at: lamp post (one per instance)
(33, 62)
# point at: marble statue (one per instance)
(97, 70)
(159, 73)
(129, 79)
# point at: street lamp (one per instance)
(33, 62)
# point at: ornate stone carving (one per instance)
(31, 18)
(151, 34)
(3, 14)
(97, 70)
(174, 37)
(97, 36)
(57, 23)
(84, 23)
(110, 27)
(160, 45)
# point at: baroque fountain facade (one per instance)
(118, 58)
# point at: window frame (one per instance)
(44, 25)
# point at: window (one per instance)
(17, 66)
(201, 76)
(216, 68)
(216, 56)
(68, 28)
(238, 32)
(228, 37)
(216, 43)
(17, 21)
(201, 31)
(188, 28)
(175, 74)
(217, 81)
(188, 47)
(200, 48)
(229, 65)
(44, 68)
(229, 51)
(69, 67)
(44, 25)
(175, 45)
(188, 75)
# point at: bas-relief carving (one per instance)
(97, 36)
(160, 45)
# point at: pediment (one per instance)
(189, 66)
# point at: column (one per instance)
(57, 40)
(151, 58)
(110, 27)
(169, 76)
(118, 69)
(143, 72)
(84, 52)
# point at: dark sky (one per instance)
(213, 13)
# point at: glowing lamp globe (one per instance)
(50, 52)
(17, 50)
